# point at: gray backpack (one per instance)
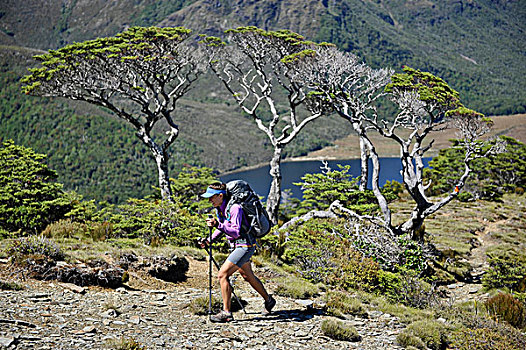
(257, 217)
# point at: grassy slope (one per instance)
(347, 147)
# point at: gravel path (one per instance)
(51, 315)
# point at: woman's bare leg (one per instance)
(247, 273)
(225, 272)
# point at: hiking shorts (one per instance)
(241, 255)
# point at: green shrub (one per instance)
(340, 304)
(406, 288)
(339, 330)
(321, 189)
(10, 286)
(431, 333)
(490, 176)
(506, 273)
(33, 245)
(354, 271)
(29, 197)
(389, 284)
(220, 258)
(505, 307)
(191, 181)
(157, 220)
(408, 340)
(296, 288)
(311, 247)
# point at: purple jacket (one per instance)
(231, 225)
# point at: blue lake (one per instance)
(259, 178)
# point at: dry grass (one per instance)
(347, 147)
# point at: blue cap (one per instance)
(210, 192)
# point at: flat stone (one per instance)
(305, 303)
(73, 287)
(134, 319)
(89, 329)
(6, 342)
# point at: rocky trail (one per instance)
(52, 315)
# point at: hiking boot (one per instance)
(223, 316)
(269, 304)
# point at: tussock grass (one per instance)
(340, 304)
(339, 330)
(297, 288)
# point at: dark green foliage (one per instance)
(406, 288)
(311, 247)
(155, 220)
(322, 252)
(190, 183)
(155, 11)
(353, 270)
(490, 177)
(504, 307)
(20, 248)
(506, 272)
(321, 189)
(339, 330)
(397, 33)
(29, 196)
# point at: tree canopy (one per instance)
(138, 74)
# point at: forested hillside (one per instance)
(477, 46)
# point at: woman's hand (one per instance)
(211, 222)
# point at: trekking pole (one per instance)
(231, 286)
(210, 272)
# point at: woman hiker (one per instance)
(243, 245)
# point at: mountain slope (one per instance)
(478, 46)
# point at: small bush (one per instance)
(126, 344)
(408, 340)
(339, 330)
(431, 333)
(339, 304)
(481, 339)
(297, 288)
(355, 271)
(506, 273)
(200, 305)
(505, 307)
(33, 245)
(10, 286)
(220, 258)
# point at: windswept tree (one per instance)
(255, 68)
(426, 103)
(350, 88)
(138, 75)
